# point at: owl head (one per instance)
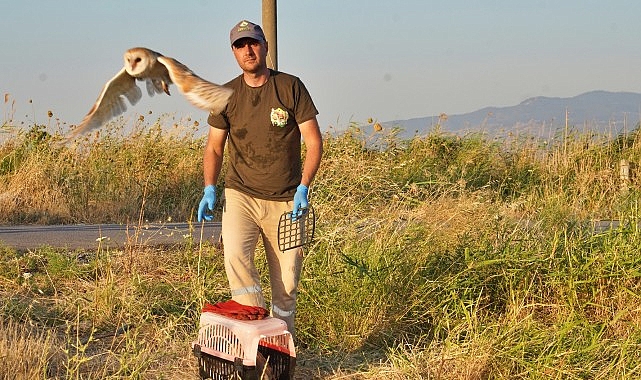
(138, 61)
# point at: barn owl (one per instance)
(158, 71)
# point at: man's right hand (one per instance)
(207, 203)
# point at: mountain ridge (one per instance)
(598, 111)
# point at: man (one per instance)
(262, 125)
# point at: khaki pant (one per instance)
(245, 219)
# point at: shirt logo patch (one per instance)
(279, 117)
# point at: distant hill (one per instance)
(601, 111)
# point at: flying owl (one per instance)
(158, 71)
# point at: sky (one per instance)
(359, 59)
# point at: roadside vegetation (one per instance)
(436, 257)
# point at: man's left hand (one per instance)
(300, 201)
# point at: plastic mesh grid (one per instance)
(280, 366)
(214, 368)
(221, 339)
(296, 233)
(277, 342)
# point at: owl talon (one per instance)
(165, 87)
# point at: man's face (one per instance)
(250, 54)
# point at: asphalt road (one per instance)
(84, 236)
(94, 236)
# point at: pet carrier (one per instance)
(228, 348)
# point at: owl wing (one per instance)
(110, 103)
(200, 92)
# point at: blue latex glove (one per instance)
(300, 201)
(207, 203)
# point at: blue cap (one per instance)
(246, 29)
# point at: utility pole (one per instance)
(269, 27)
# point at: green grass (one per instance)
(439, 257)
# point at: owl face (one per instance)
(137, 61)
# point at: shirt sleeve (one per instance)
(218, 120)
(305, 108)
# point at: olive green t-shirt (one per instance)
(264, 142)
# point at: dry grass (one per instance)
(442, 257)
(26, 352)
